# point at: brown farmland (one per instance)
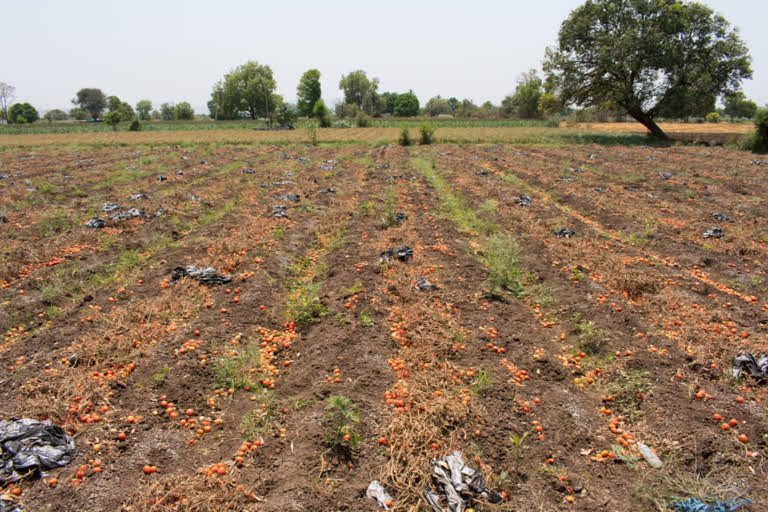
(545, 360)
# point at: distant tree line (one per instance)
(644, 59)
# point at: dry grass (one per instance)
(737, 128)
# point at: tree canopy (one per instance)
(143, 109)
(22, 113)
(524, 103)
(406, 105)
(92, 101)
(55, 115)
(647, 57)
(114, 104)
(737, 105)
(308, 92)
(249, 88)
(359, 90)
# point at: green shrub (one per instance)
(343, 414)
(286, 114)
(113, 119)
(426, 133)
(404, 139)
(321, 113)
(758, 141)
(363, 120)
(135, 126)
(713, 117)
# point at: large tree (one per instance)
(143, 109)
(406, 105)
(647, 57)
(7, 93)
(308, 92)
(248, 88)
(524, 103)
(358, 88)
(115, 104)
(92, 101)
(22, 113)
(737, 105)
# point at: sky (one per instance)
(173, 51)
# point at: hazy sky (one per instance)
(171, 50)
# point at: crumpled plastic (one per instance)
(715, 232)
(403, 253)
(31, 446)
(423, 285)
(277, 184)
(745, 362)
(403, 177)
(565, 233)
(455, 480)
(7, 504)
(523, 200)
(161, 178)
(291, 197)
(96, 223)
(377, 492)
(721, 217)
(249, 171)
(136, 197)
(193, 197)
(3, 218)
(400, 217)
(483, 172)
(576, 170)
(665, 176)
(278, 212)
(327, 191)
(759, 162)
(696, 505)
(110, 207)
(128, 214)
(205, 275)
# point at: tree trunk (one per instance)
(647, 121)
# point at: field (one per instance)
(320, 367)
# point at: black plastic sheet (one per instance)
(29, 446)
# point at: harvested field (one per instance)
(320, 366)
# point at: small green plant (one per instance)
(628, 390)
(232, 370)
(366, 320)
(577, 274)
(367, 209)
(501, 256)
(518, 444)
(405, 138)
(483, 381)
(258, 422)
(135, 126)
(625, 456)
(488, 206)
(426, 133)
(342, 414)
(352, 290)
(590, 337)
(160, 376)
